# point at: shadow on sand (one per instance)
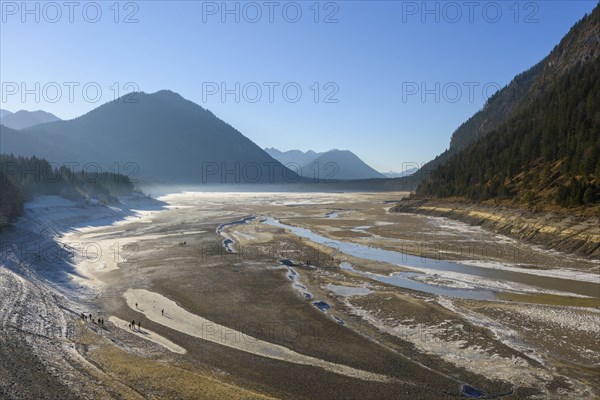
(31, 247)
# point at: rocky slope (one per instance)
(557, 231)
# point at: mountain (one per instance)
(3, 113)
(329, 165)
(546, 150)
(338, 164)
(293, 157)
(24, 119)
(580, 45)
(394, 174)
(161, 136)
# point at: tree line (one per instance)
(548, 152)
(23, 178)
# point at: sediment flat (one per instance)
(276, 315)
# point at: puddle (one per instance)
(321, 305)
(470, 392)
(348, 291)
(228, 243)
(287, 262)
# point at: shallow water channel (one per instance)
(403, 279)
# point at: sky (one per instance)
(388, 80)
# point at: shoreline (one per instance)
(568, 234)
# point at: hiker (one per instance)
(133, 324)
(163, 312)
(136, 305)
(139, 325)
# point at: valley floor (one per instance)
(288, 295)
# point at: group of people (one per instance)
(100, 321)
(132, 325)
(91, 319)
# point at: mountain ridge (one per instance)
(23, 119)
(339, 164)
(293, 156)
(162, 135)
(334, 163)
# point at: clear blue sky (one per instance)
(376, 55)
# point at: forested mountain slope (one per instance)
(549, 149)
(581, 45)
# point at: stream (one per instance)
(404, 279)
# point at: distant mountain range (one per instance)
(25, 119)
(339, 164)
(330, 165)
(163, 137)
(407, 172)
(298, 157)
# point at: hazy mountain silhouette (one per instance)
(4, 113)
(339, 164)
(24, 119)
(306, 163)
(160, 135)
(294, 157)
(394, 174)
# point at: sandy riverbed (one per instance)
(250, 327)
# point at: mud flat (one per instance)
(566, 233)
(234, 308)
